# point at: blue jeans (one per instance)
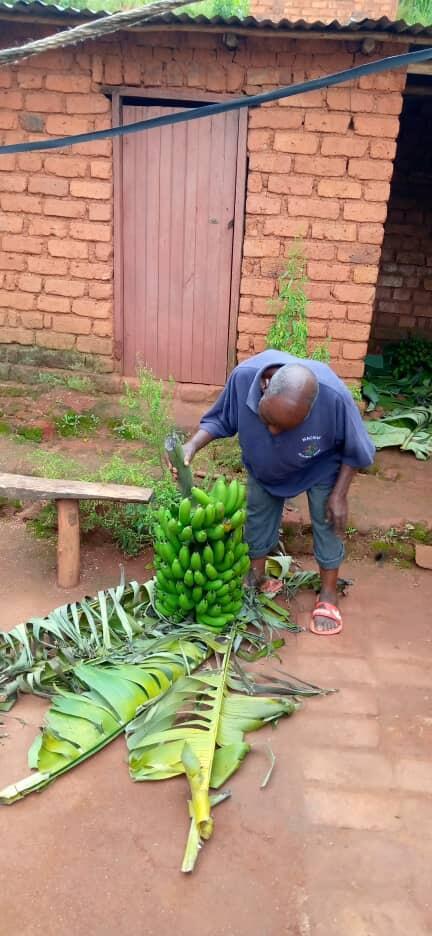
(264, 515)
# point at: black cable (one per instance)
(210, 110)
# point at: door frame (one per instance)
(172, 94)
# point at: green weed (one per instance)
(147, 414)
(289, 331)
(5, 428)
(76, 424)
(416, 11)
(30, 433)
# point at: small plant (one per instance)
(416, 11)
(5, 428)
(75, 382)
(289, 331)
(355, 392)
(30, 433)
(147, 413)
(76, 424)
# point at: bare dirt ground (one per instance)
(339, 844)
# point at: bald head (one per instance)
(288, 397)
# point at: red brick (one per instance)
(388, 81)
(64, 287)
(87, 104)
(47, 266)
(11, 298)
(94, 345)
(20, 336)
(71, 324)
(100, 211)
(11, 261)
(325, 122)
(350, 369)
(96, 148)
(53, 304)
(76, 250)
(71, 84)
(257, 286)
(101, 169)
(18, 202)
(335, 230)
(90, 230)
(47, 186)
(290, 184)
(31, 319)
(254, 182)
(317, 290)
(376, 126)
(308, 99)
(253, 324)
(21, 244)
(57, 342)
(48, 226)
(388, 103)
(358, 211)
(343, 146)
(270, 162)
(318, 250)
(379, 169)
(10, 223)
(29, 78)
(67, 166)
(275, 118)
(354, 293)
(8, 120)
(286, 227)
(365, 274)
(263, 204)
(89, 189)
(259, 140)
(28, 282)
(64, 208)
(11, 100)
(92, 308)
(313, 207)
(7, 163)
(383, 149)
(261, 247)
(103, 327)
(92, 271)
(349, 331)
(371, 233)
(359, 253)
(320, 165)
(29, 162)
(292, 142)
(100, 290)
(104, 251)
(43, 102)
(132, 72)
(339, 188)
(262, 307)
(360, 811)
(334, 272)
(326, 310)
(354, 351)
(65, 125)
(376, 191)
(339, 98)
(317, 329)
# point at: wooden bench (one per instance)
(67, 495)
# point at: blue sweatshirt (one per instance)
(293, 461)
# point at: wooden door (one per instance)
(178, 202)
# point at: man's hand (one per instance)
(189, 452)
(337, 512)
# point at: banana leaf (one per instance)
(198, 729)
(78, 724)
(409, 430)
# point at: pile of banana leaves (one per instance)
(407, 405)
(110, 665)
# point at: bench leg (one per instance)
(68, 543)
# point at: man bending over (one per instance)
(299, 430)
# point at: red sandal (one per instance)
(325, 610)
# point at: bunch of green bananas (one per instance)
(201, 558)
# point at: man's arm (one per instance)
(337, 505)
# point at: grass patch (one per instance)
(30, 433)
(76, 424)
(5, 428)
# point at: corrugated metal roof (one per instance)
(38, 8)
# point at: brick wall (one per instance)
(404, 292)
(323, 10)
(319, 165)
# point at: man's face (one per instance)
(279, 413)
